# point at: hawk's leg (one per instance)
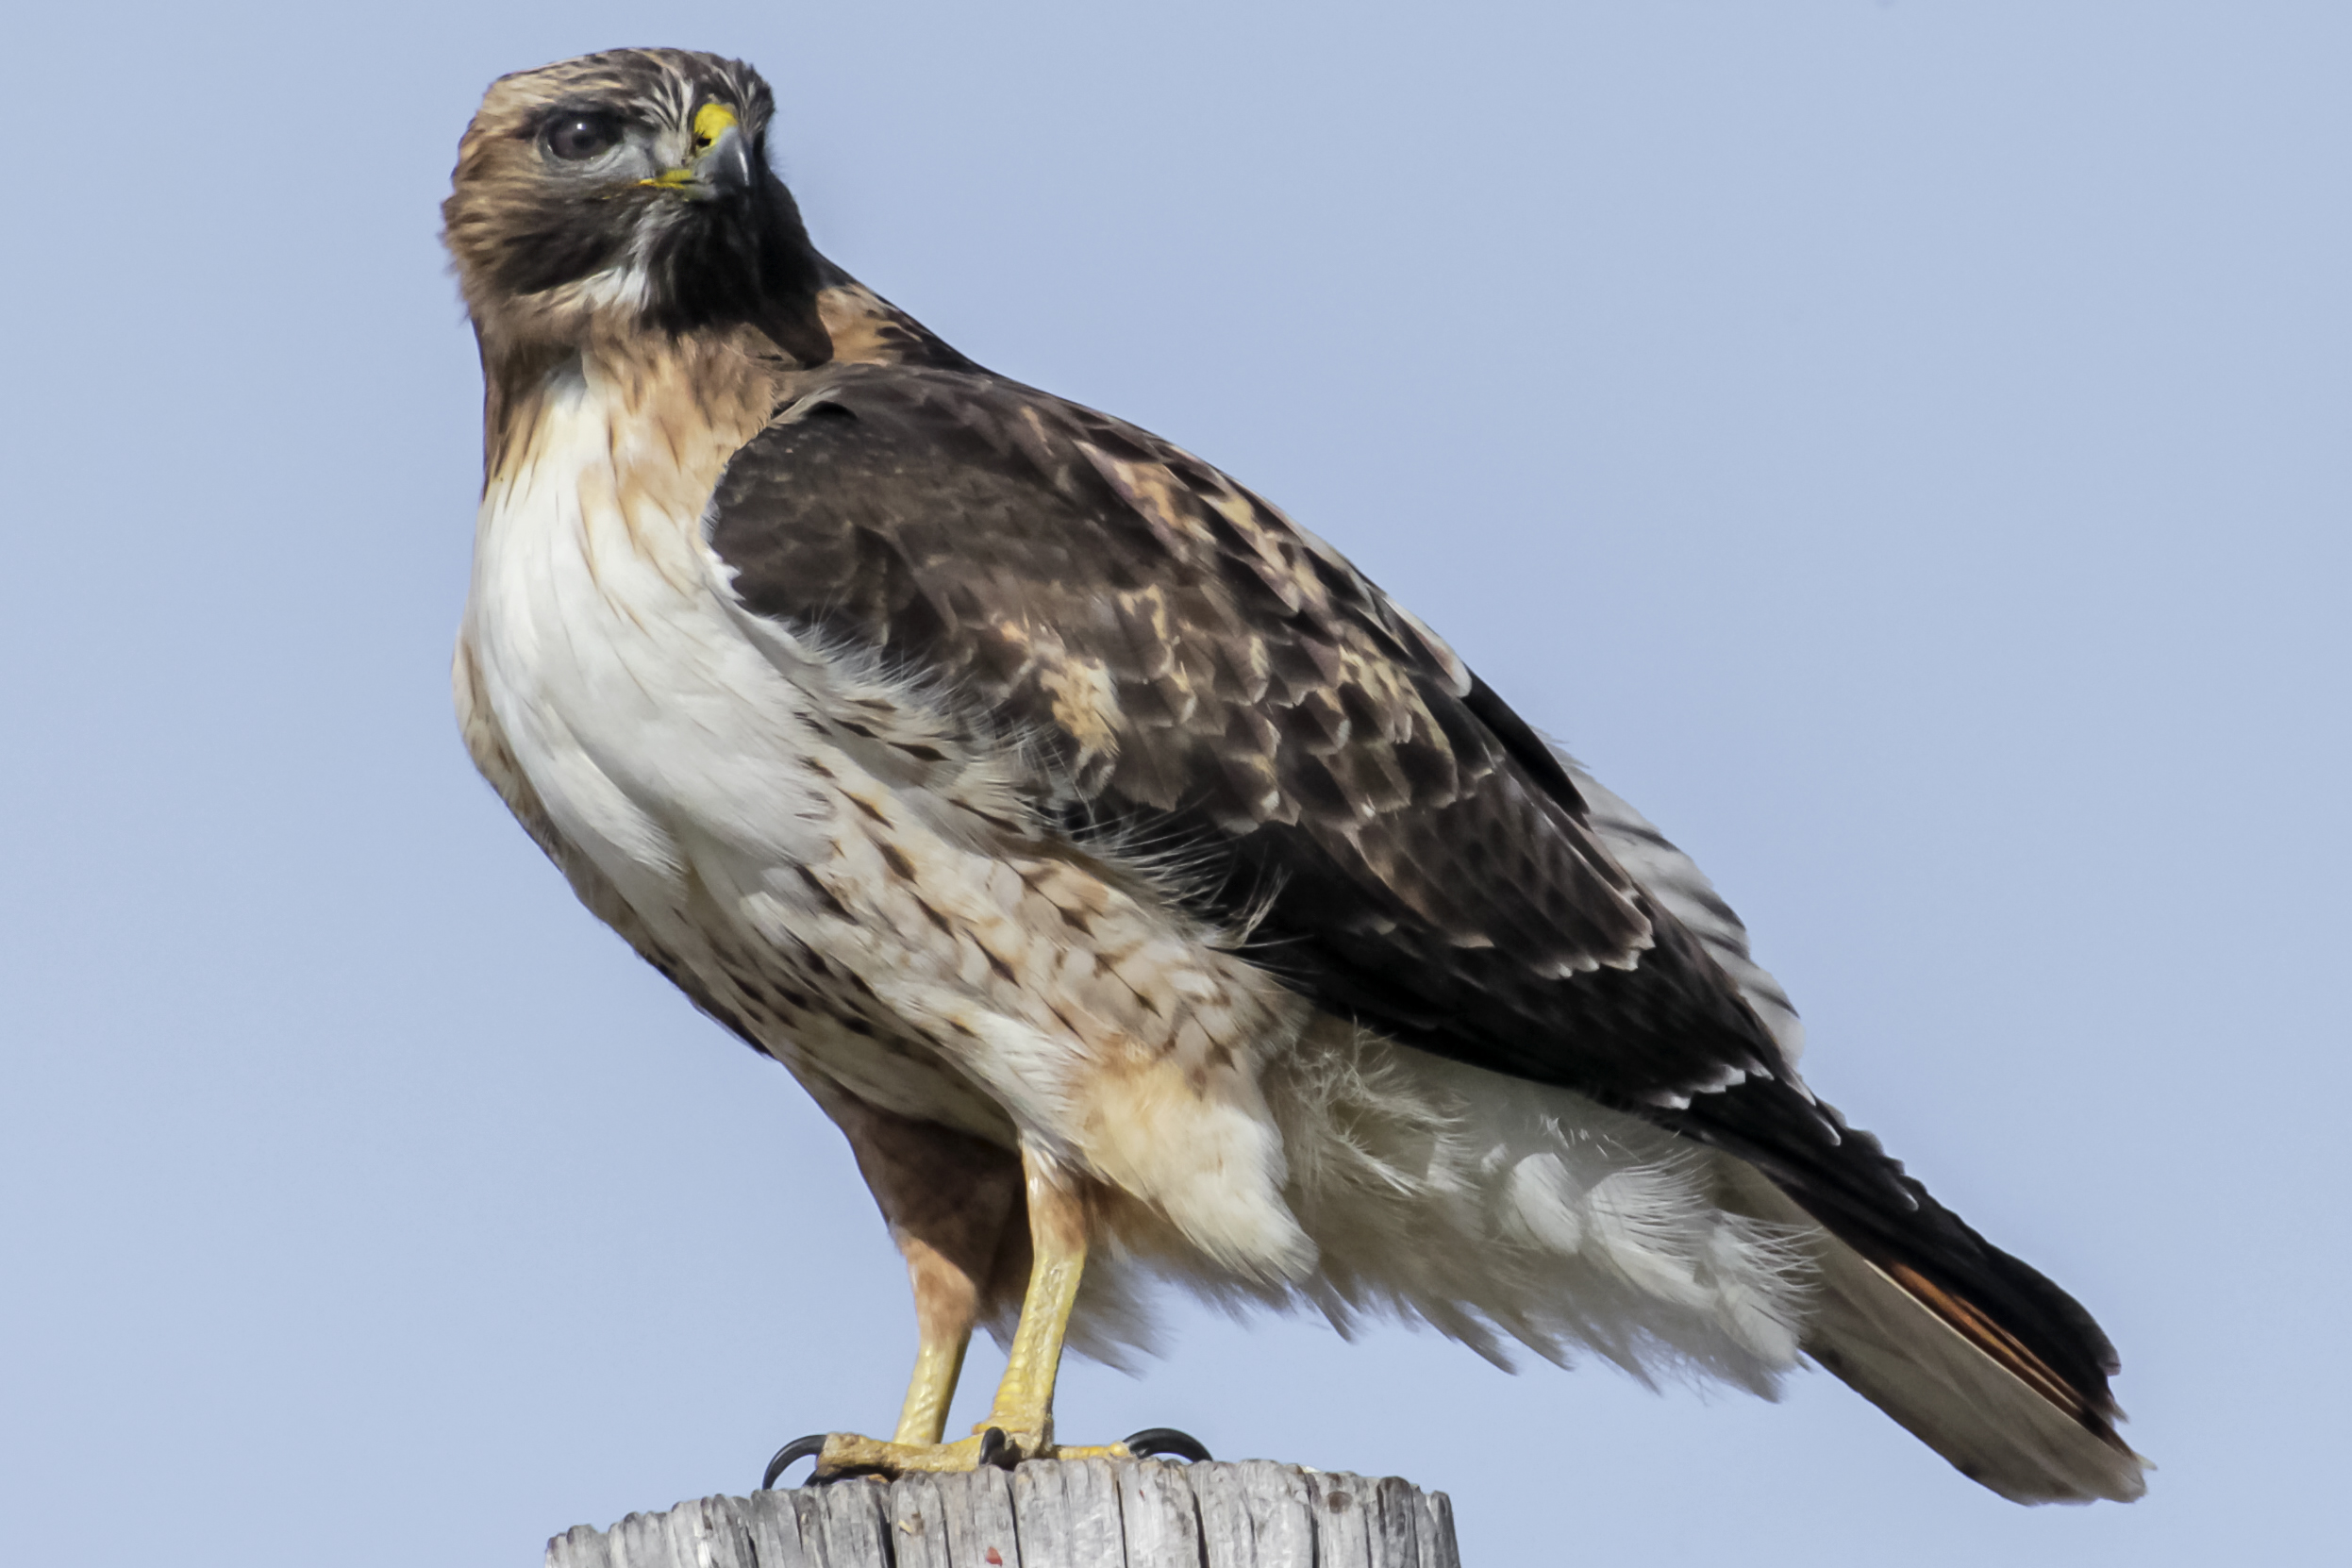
(950, 1200)
(946, 1299)
(1020, 1422)
(1024, 1409)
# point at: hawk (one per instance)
(1144, 893)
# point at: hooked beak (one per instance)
(720, 165)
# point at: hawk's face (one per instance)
(625, 191)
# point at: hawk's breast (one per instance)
(672, 759)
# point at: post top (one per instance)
(1077, 1513)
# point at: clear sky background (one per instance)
(1901, 446)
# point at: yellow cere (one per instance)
(711, 120)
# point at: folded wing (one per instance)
(1194, 676)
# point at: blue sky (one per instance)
(1900, 446)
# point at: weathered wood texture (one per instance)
(1082, 1513)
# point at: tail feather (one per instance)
(1952, 1376)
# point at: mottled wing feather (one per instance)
(1198, 674)
(1197, 679)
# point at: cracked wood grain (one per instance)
(1085, 1513)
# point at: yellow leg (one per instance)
(1024, 1409)
(945, 1300)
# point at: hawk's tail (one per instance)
(1954, 1378)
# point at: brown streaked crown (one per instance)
(573, 211)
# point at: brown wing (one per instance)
(1210, 681)
(1199, 677)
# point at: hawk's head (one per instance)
(629, 191)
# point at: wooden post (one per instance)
(1077, 1513)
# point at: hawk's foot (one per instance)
(843, 1454)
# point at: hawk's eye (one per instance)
(577, 138)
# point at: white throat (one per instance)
(599, 621)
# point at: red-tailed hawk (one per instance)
(1136, 885)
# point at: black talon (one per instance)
(1167, 1439)
(997, 1449)
(799, 1448)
